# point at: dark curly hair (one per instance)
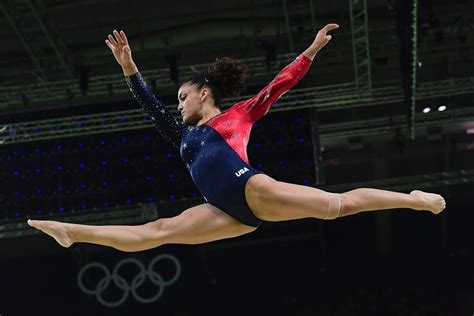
(225, 78)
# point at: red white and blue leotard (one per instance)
(215, 153)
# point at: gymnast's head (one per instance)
(204, 92)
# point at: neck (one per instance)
(208, 114)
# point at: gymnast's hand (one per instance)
(122, 52)
(321, 39)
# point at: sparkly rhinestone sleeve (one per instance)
(255, 108)
(169, 128)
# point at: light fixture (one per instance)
(470, 131)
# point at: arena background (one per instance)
(76, 147)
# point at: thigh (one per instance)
(279, 201)
(200, 224)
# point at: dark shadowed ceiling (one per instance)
(52, 42)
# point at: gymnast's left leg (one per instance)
(273, 200)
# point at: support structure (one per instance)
(319, 176)
(313, 18)
(327, 98)
(15, 19)
(383, 220)
(99, 86)
(288, 27)
(414, 64)
(14, 13)
(316, 141)
(360, 46)
(49, 30)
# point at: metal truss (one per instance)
(360, 45)
(327, 98)
(423, 181)
(102, 85)
(414, 64)
(49, 30)
(148, 212)
(381, 126)
(16, 20)
(288, 27)
(130, 215)
(295, 15)
(15, 15)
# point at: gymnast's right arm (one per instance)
(170, 129)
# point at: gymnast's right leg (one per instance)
(199, 224)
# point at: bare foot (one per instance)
(57, 230)
(429, 201)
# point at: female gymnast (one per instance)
(213, 144)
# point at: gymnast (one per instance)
(212, 144)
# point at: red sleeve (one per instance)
(255, 108)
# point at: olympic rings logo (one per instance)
(121, 283)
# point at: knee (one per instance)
(340, 205)
(152, 234)
(154, 226)
(333, 209)
(140, 237)
(349, 205)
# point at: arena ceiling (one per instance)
(51, 42)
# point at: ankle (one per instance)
(72, 231)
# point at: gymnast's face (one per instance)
(190, 103)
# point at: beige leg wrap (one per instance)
(334, 206)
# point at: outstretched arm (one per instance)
(170, 129)
(255, 108)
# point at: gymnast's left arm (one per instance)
(255, 108)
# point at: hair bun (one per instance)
(229, 74)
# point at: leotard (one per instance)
(215, 152)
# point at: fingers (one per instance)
(112, 40)
(330, 27)
(109, 44)
(124, 37)
(118, 38)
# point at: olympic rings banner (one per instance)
(120, 282)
